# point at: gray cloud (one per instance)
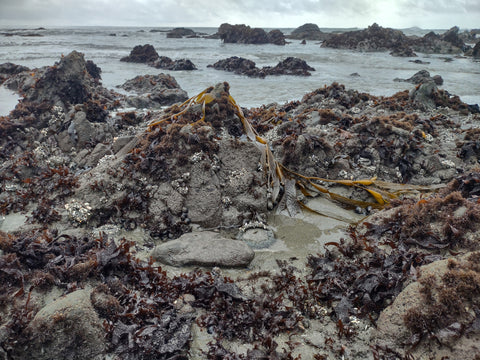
(266, 13)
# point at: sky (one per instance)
(426, 14)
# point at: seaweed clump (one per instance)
(145, 314)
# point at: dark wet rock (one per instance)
(243, 34)
(447, 43)
(180, 32)
(9, 69)
(355, 74)
(276, 37)
(308, 32)
(66, 328)
(142, 54)
(476, 50)
(154, 91)
(238, 65)
(374, 38)
(417, 61)
(403, 51)
(205, 249)
(93, 70)
(452, 36)
(289, 66)
(422, 76)
(164, 62)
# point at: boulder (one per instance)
(243, 34)
(142, 54)
(154, 91)
(308, 32)
(180, 33)
(67, 328)
(204, 248)
(438, 313)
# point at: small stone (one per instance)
(204, 248)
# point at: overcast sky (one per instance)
(427, 14)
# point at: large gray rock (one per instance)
(154, 91)
(437, 310)
(68, 328)
(204, 248)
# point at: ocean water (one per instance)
(377, 70)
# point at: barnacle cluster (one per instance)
(78, 211)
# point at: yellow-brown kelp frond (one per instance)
(282, 182)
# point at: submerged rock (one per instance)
(204, 248)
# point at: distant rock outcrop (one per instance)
(148, 55)
(374, 38)
(180, 33)
(164, 62)
(309, 32)
(377, 38)
(142, 54)
(448, 43)
(242, 66)
(244, 34)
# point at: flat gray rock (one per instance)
(205, 248)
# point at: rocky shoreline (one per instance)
(152, 234)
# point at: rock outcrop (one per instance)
(374, 38)
(377, 38)
(448, 43)
(142, 54)
(148, 55)
(289, 66)
(181, 32)
(243, 34)
(308, 32)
